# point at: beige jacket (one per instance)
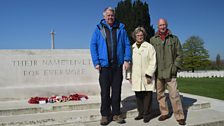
(143, 62)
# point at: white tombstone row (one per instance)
(200, 74)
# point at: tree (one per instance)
(218, 61)
(195, 56)
(133, 15)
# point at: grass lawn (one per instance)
(208, 87)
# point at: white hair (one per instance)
(110, 9)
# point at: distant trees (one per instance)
(133, 15)
(218, 64)
(218, 61)
(136, 13)
(195, 56)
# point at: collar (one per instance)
(168, 32)
(143, 44)
(104, 23)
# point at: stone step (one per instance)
(21, 107)
(80, 113)
(203, 117)
(59, 118)
(91, 117)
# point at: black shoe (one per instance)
(146, 119)
(139, 117)
(181, 122)
(163, 117)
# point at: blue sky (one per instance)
(26, 24)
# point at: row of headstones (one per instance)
(200, 74)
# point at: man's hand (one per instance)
(97, 67)
(126, 65)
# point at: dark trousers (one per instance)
(144, 102)
(110, 78)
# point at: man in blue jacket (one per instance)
(110, 51)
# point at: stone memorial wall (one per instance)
(25, 73)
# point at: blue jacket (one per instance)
(98, 45)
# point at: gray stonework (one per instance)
(26, 73)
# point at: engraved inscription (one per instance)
(52, 67)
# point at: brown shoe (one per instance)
(118, 119)
(181, 122)
(163, 117)
(104, 121)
